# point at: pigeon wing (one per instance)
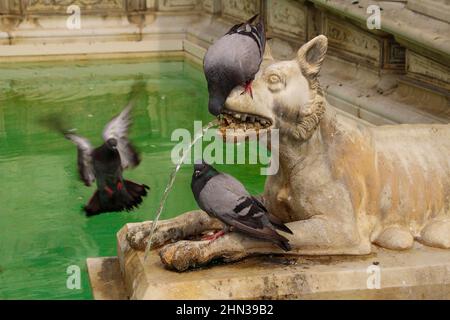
(117, 128)
(227, 199)
(85, 165)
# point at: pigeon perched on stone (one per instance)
(225, 198)
(234, 60)
(105, 165)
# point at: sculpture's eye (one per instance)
(273, 79)
(275, 82)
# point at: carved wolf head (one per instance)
(286, 95)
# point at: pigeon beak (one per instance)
(214, 107)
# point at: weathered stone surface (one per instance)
(106, 279)
(60, 6)
(346, 40)
(421, 273)
(427, 70)
(287, 18)
(177, 5)
(240, 9)
(434, 8)
(212, 6)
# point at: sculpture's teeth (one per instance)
(235, 120)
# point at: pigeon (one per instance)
(223, 197)
(105, 164)
(233, 60)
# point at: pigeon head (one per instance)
(111, 143)
(219, 87)
(203, 169)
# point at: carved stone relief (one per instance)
(177, 5)
(427, 70)
(240, 9)
(287, 18)
(212, 6)
(394, 55)
(10, 7)
(352, 43)
(61, 5)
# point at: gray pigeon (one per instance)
(225, 198)
(233, 60)
(105, 164)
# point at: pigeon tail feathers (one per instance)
(121, 199)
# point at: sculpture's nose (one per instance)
(238, 101)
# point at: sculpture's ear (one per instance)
(268, 53)
(310, 56)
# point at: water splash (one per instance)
(170, 184)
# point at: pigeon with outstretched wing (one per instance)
(105, 165)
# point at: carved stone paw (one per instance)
(183, 255)
(165, 232)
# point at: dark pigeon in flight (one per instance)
(105, 165)
(234, 60)
(225, 198)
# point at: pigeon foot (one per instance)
(214, 236)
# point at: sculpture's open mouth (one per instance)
(243, 122)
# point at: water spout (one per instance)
(170, 184)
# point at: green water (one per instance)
(42, 227)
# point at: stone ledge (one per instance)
(434, 8)
(420, 273)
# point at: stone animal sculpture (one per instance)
(341, 186)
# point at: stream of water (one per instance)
(171, 181)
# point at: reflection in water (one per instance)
(42, 227)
